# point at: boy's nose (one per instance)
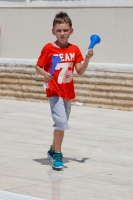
(62, 32)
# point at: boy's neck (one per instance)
(61, 45)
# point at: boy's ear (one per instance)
(53, 31)
(71, 31)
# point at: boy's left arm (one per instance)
(81, 67)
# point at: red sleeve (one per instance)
(79, 56)
(43, 58)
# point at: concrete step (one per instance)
(39, 89)
(98, 87)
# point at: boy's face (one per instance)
(62, 33)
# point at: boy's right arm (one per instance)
(47, 76)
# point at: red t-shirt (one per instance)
(62, 83)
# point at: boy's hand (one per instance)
(89, 53)
(47, 77)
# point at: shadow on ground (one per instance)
(47, 161)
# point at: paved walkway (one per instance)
(98, 153)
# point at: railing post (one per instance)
(27, 3)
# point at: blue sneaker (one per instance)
(57, 161)
(50, 153)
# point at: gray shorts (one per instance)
(60, 110)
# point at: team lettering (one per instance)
(66, 56)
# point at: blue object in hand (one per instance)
(55, 61)
(95, 39)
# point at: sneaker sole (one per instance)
(58, 167)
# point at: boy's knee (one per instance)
(61, 124)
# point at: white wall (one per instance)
(24, 31)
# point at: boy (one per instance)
(61, 85)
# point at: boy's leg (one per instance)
(57, 141)
(60, 110)
(57, 161)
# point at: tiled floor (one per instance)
(98, 153)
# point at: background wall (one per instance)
(25, 30)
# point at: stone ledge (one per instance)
(102, 85)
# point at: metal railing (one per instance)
(67, 3)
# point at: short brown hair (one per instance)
(62, 17)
